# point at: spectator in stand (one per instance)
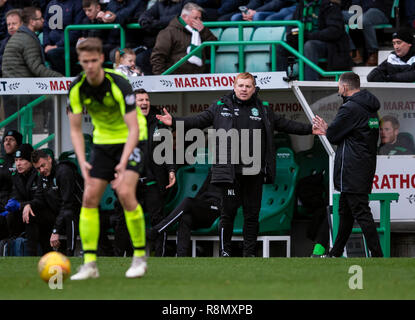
(122, 12)
(324, 37)
(53, 35)
(23, 56)
(4, 8)
(400, 64)
(12, 139)
(60, 192)
(13, 21)
(410, 12)
(92, 8)
(374, 12)
(391, 141)
(125, 63)
(183, 34)
(266, 10)
(215, 10)
(152, 21)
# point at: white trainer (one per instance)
(138, 268)
(86, 271)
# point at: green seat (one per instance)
(189, 179)
(227, 57)
(71, 156)
(258, 57)
(108, 199)
(278, 199)
(217, 32)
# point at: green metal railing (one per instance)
(26, 121)
(222, 24)
(213, 44)
(86, 27)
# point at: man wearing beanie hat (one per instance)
(25, 184)
(400, 64)
(11, 140)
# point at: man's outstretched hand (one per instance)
(166, 118)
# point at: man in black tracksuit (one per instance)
(60, 191)
(355, 131)
(156, 179)
(12, 139)
(242, 109)
(192, 213)
(25, 184)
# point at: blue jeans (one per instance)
(283, 14)
(371, 17)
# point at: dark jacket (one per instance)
(158, 17)
(355, 131)
(3, 44)
(395, 69)
(7, 167)
(210, 192)
(125, 12)
(72, 14)
(404, 145)
(61, 192)
(330, 30)
(268, 5)
(3, 26)
(216, 116)
(102, 33)
(171, 46)
(154, 171)
(25, 186)
(383, 5)
(23, 57)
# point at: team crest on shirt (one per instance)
(255, 112)
(130, 99)
(108, 100)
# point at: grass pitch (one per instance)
(218, 279)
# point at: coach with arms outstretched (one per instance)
(242, 109)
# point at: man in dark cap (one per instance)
(11, 140)
(24, 186)
(400, 64)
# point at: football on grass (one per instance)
(54, 264)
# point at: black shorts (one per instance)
(105, 157)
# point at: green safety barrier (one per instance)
(26, 121)
(384, 229)
(223, 24)
(213, 44)
(88, 27)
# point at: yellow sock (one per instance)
(137, 230)
(89, 232)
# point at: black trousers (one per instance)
(152, 200)
(71, 230)
(38, 231)
(246, 191)
(353, 206)
(191, 214)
